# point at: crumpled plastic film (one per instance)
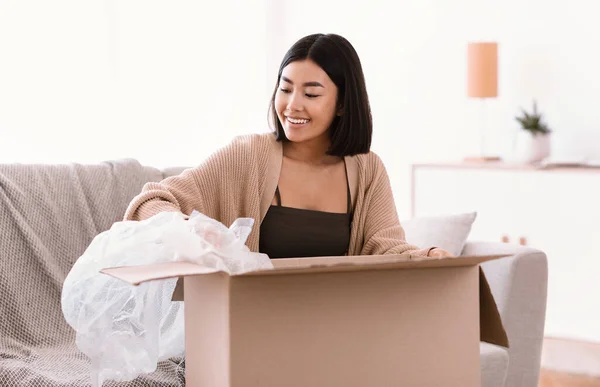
(126, 330)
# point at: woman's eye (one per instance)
(311, 95)
(284, 90)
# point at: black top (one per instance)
(288, 232)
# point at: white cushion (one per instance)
(448, 232)
(494, 365)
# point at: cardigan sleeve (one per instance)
(179, 193)
(383, 233)
(203, 188)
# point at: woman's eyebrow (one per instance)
(313, 83)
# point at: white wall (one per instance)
(167, 82)
(163, 82)
(414, 58)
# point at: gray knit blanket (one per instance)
(49, 214)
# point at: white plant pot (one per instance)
(531, 148)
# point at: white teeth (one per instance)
(297, 121)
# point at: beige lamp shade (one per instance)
(482, 70)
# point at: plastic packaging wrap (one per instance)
(126, 330)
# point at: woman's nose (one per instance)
(295, 102)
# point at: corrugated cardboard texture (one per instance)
(360, 328)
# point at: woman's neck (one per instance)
(310, 152)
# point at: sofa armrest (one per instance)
(519, 286)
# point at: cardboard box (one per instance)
(340, 321)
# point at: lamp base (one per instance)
(482, 159)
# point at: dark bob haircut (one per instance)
(352, 131)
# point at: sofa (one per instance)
(49, 214)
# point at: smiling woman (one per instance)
(313, 185)
(321, 80)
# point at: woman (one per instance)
(313, 185)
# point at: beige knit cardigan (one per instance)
(239, 180)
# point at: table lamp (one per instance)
(482, 83)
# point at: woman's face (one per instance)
(305, 101)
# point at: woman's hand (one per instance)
(436, 252)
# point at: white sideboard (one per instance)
(555, 210)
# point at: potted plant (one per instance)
(533, 140)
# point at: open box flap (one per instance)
(490, 323)
(135, 275)
(366, 262)
(142, 273)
